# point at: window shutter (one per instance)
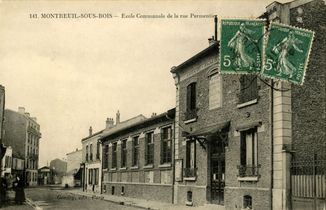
(243, 149)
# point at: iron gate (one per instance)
(308, 184)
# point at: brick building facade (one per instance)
(138, 159)
(223, 139)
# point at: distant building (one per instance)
(73, 176)
(138, 158)
(59, 168)
(22, 133)
(45, 176)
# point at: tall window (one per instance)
(215, 91)
(114, 155)
(90, 176)
(106, 157)
(166, 145)
(98, 150)
(96, 176)
(135, 150)
(149, 156)
(123, 153)
(90, 152)
(248, 88)
(191, 96)
(190, 169)
(248, 153)
(86, 152)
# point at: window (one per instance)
(248, 88)
(247, 202)
(86, 152)
(106, 157)
(166, 145)
(90, 152)
(191, 111)
(90, 176)
(149, 156)
(215, 91)
(96, 176)
(135, 147)
(114, 155)
(248, 153)
(190, 170)
(123, 153)
(98, 150)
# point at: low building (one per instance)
(72, 177)
(138, 159)
(91, 160)
(45, 176)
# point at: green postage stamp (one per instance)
(241, 47)
(287, 53)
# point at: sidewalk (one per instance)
(140, 203)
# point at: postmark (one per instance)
(287, 53)
(242, 46)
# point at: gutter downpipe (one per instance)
(177, 80)
(272, 141)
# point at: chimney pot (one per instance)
(211, 41)
(21, 110)
(117, 117)
(109, 122)
(90, 130)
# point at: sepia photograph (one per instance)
(162, 105)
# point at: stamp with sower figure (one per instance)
(242, 46)
(287, 53)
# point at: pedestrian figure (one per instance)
(238, 43)
(3, 191)
(19, 189)
(282, 49)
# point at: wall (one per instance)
(308, 101)
(152, 182)
(73, 160)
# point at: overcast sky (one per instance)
(74, 73)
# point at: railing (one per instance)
(190, 114)
(248, 170)
(190, 172)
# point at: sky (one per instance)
(74, 73)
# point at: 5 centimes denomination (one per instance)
(287, 53)
(241, 47)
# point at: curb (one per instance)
(122, 203)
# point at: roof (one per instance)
(168, 115)
(194, 58)
(88, 137)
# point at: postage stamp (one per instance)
(242, 46)
(287, 53)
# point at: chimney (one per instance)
(90, 130)
(109, 123)
(27, 114)
(153, 114)
(215, 24)
(21, 110)
(117, 120)
(211, 41)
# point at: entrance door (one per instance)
(217, 171)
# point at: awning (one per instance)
(207, 131)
